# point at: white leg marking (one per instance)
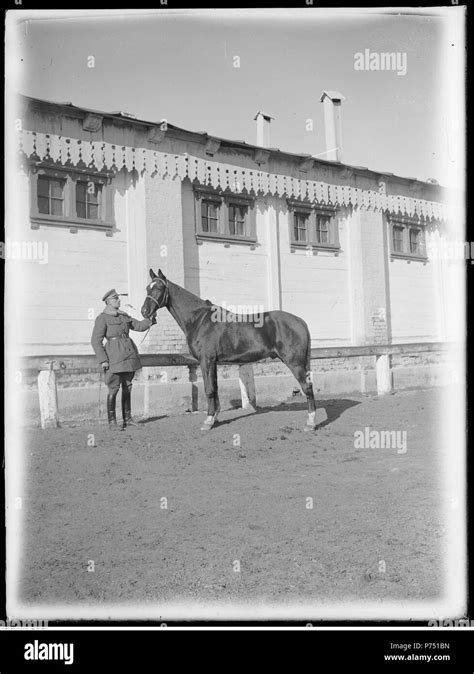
(310, 422)
(208, 423)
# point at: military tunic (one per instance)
(119, 350)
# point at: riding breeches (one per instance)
(115, 379)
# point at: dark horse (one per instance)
(215, 335)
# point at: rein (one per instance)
(158, 306)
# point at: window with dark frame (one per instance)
(209, 215)
(415, 241)
(50, 195)
(300, 226)
(322, 228)
(238, 219)
(69, 197)
(313, 226)
(407, 237)
(397, 239)
(88, 199)
(224, 216)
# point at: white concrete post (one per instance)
(383, 374)
(146, 395)
(48, 398)
(247, 386)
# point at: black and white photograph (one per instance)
(235, 259)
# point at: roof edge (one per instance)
(225, 142)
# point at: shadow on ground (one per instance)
(334, 409)
(149, 420)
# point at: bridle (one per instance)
(164, 298)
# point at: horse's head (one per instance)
(157, 294)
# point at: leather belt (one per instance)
(119, 337)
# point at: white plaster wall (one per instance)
(316, 287)
(415, 302)
(56, 303)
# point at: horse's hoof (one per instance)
(308, 428)
(207, 425)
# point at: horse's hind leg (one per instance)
(303, 377)
(308, 391)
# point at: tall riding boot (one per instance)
(111, 398)
(127, 407)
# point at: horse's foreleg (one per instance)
(209, 373)
(214, 392)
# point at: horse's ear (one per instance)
(152, 274)
(161, 275)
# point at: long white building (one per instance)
(350, 250)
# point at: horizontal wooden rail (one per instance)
(89, 362)
(86, 361)
(47, 365)
(378, 350)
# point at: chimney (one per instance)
(263, 129)
(332, 124)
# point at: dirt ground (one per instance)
(167, 512)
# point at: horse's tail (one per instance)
(308, 350)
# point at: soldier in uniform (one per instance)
(119, 356)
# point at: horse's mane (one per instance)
(211, 305)
(223, 311)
